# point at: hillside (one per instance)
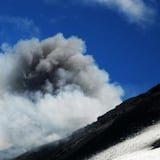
(116, 125)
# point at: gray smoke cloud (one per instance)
(48, 89)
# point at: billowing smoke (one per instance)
(48, 89)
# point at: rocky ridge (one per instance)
(116, 125)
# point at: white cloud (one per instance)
(23, 25)
(136, 11)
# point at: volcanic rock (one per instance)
(115, 126)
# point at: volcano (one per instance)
(127, 120)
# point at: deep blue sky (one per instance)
(128, 48)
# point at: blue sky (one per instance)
(122, 35)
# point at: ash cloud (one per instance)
(48, 89)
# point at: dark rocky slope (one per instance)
(126, 119)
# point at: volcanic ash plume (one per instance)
(48, 89)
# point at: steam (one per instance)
(48, 89)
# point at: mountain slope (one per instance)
(126, 119)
